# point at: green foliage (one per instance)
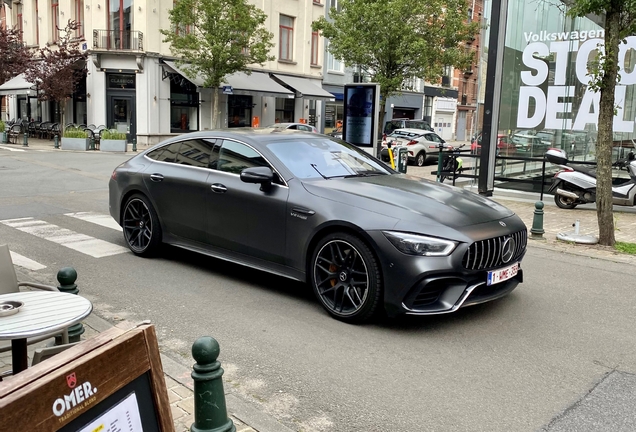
(394, 40)
(73, 132)
(217, 38)
(3, 126)
(113, 134)
(628, 248)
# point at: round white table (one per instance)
(43, 312)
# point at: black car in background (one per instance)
(315, 209)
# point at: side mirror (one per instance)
(262, 175)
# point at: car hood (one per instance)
(410, 198)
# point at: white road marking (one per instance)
(80, 242)
(96, 218)
(25, 262)
(11, 149)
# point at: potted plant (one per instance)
(75, 138)
(113, 141)
(3, 132)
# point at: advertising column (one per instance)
(361, 111)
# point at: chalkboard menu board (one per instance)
(113, 382)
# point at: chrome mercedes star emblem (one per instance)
(343, 276)
(508, 249)
(502, 223)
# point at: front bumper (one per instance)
(419, 285)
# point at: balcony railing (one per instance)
(118, 40)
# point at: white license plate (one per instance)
(496, 276)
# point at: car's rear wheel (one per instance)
(420, 159)
(345, 276)
(140, 223)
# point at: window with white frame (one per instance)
(286, 27)
(18, 22)
(79, 17)
(55, 20)
(315, 43)
(333, 64)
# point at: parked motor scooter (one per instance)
(576, 184)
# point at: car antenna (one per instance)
(321, 174)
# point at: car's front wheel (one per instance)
(142, 231)
(345, 276)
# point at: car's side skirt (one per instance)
(240, 259)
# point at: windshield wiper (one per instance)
(321, 174)
(367, 173)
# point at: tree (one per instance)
(57, 72)
(395, 40)
(14, 55)
(620, 22)
(216, 38)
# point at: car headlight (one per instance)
(414, 244)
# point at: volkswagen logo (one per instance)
(508, 249)
(502, 223)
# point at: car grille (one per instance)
(487, 254)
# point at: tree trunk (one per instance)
(215, 107)
(605, 131)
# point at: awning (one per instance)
(257, 83)
(303, 87)
(17, 86)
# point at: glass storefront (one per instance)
(545, 100)
(239, 111)
(184, 105)
(334, 114)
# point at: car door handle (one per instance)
(303, 211)
(156, 177)
(218, 188)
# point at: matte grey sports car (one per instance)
(316, 209)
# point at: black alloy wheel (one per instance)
(345, 277)
(420, 159)
(142, 231)
(564, 202)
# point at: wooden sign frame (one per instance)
(97, 380)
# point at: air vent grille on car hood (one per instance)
(489, 253)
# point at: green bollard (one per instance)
(440, 159)
(67, 277)
(210, 412)
(25, 143)
(537, 222)
(56, 142)
(91, 146)
(134, 144)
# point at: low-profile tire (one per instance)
(420, 159)
(142, 231)
(564, 202)
(346, 278)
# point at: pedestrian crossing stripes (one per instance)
(24, 262)
(96, 218)
(80, 242)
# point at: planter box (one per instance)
(3, 137)
(75, 143)
(108, 145)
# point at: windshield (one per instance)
(326, 158)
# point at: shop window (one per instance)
(284, 110)
(239, 111)
(184, 105)
(286, 44)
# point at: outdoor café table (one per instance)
(43, 312)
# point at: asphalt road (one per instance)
(553, 355)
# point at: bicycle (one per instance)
(452, 165)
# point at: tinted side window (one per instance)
(234, 157)
(195, 153)
(166, 153)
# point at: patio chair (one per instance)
(55, 130)
(9, 284)
(13, 133)
(46, 353)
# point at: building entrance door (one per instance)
(461, 126)
(122, 116)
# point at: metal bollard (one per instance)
(210, 411)
(92, 143)
(537, 221)
(67, 277)
(56, 142)
(25, 143)
(134, 145)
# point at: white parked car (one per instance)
(421, 144)
(294, 126)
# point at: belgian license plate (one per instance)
(496, 276)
